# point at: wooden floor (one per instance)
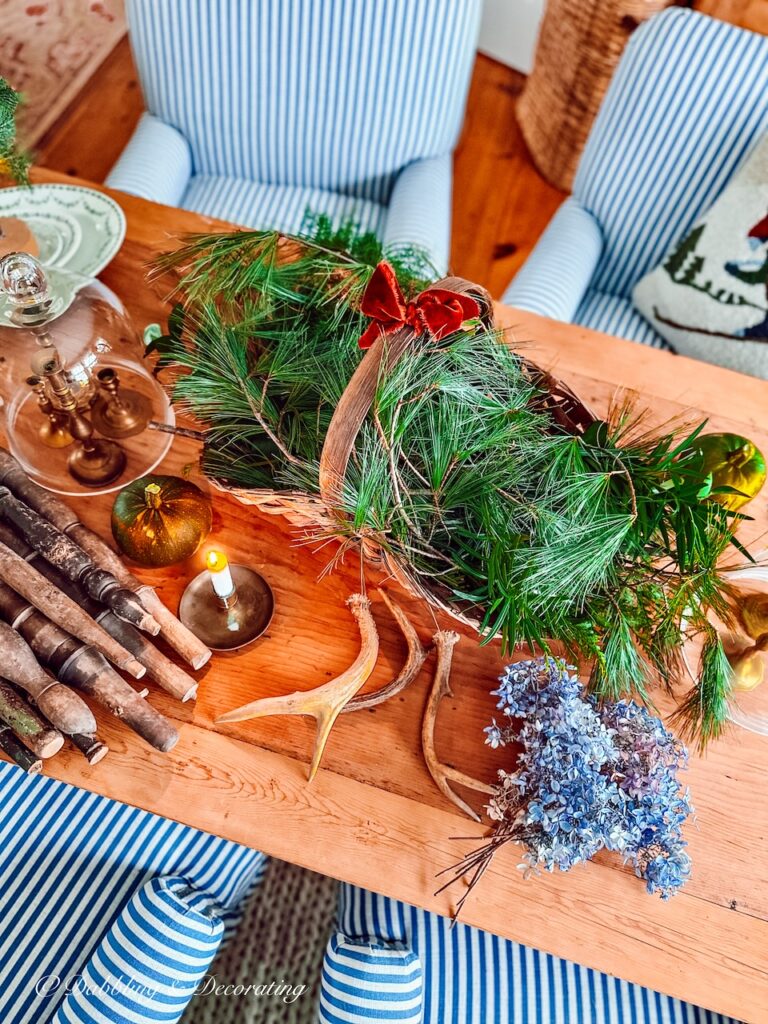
(501, 203)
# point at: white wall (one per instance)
(508, 31)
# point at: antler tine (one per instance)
(325, 702)
(417, 655)
(443, 775)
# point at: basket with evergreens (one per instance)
(352, 396)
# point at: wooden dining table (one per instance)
(372, 816)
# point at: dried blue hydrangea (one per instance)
(590, 777)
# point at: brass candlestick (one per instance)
(119, 412)
(227, 606)
(96, 461)
(54, 431)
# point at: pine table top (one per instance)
(372, 816)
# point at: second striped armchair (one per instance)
(686, 106)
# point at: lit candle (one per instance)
(221, 577)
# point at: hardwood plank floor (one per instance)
(751, 14)
(89, 137)
(501, 203)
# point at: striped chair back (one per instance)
(333, 94)
(686, 106)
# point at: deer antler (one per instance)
(443, 774)
(417, 655)
(325, 702)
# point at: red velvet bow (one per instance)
(760, 230)
(437, 311)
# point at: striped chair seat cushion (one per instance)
(473, 977)
(613, 314)
(69, 863)
(148, 965)
(365, 980)
(277, 207)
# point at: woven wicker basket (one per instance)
(322, 513)
(579, 46)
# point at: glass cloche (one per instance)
(82, 414)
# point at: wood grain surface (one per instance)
(372, 816)
(751, 14)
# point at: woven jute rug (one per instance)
(48, 51)
(269, 972)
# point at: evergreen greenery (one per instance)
(12, 162)
(603, 542)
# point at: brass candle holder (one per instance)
(227, 606)
(95, 461)
(54, 431)
(119, 412)
(74, 333)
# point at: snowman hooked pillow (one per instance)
(709, 298)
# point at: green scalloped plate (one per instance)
(78, 230)
(75, 227)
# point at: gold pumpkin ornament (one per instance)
(160, 520)
(752, 609)
(731, 461)
(747, 670)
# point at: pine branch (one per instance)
(601, 541)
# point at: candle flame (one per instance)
(216, 561)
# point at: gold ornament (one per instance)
(753, 612)
(160, 520)
(748, 669)
(731, 461)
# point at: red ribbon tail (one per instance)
(372, 333)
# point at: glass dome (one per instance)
(81, 411)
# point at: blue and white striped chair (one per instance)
(261, 109)
(466, 976)
(687, 104)
(80, 877)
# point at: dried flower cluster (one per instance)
(589, 777)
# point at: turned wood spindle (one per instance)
(184, 642)
(91, 747)
(18, 753)
(56, 605)
(42, 738)
(63, 708)
(81, 666)
(168, 675)
(70, 559)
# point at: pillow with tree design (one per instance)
(709, 298)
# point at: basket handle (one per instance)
(358, 396)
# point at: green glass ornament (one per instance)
(730, 461)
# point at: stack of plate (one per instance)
(73, 231)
